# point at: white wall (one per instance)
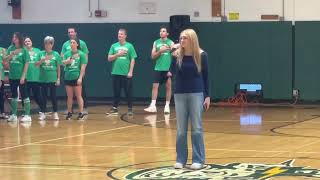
(251, 10)
(293, 10)
(61, 11)
(77, 11)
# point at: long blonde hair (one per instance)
(195, 48)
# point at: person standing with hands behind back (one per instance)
(191, 97)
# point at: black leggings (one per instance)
(36, 91)
(14, 84)
(53, 96)
(119, 83)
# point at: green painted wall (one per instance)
(307, 60)
(253, 52)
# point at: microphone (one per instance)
(176, 46)
(173, 50)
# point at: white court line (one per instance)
(173, 148)
(67, 137)
(237, 120)
(314, 142)
(84, 134)
(50, 168)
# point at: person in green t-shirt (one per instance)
(72, 33)
(75, 62)
(18, 57)
(33, 71)
(49, 63)
(2, 77)
(122, 55)
(162, 56)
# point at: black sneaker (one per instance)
(130, 112)
(69, 116)
(113, 111)
(81, 116)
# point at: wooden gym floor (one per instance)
(253, 142)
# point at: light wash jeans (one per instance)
(189, 106)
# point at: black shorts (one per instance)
(71, 82)
(160, 77)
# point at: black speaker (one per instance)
(178, 23)
(14, 3)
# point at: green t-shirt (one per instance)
(66, 47)
(17, 63)
(163, 62)
(48, 69)
(121, 65)
(2, 54)
(33, 71)
(72, 71)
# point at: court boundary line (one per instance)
(66, 137)
(48, 168)
(274, 130)
(173, 148)
(83, 134)
(275, 134)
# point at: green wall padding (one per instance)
(253, 52)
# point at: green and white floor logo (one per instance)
(239, 171)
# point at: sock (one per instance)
(14, 105)
(167, 103)
(26, 106)
(153, 103)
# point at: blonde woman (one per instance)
(191, 97)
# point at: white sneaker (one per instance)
(178, 165)
(13, 118)
(42, 116)
(151, 109)
(167, 109)
(55, 116)
(196, 166)
(26, 118)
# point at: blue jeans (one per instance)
(189, 106)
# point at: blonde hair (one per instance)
(195, 48)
